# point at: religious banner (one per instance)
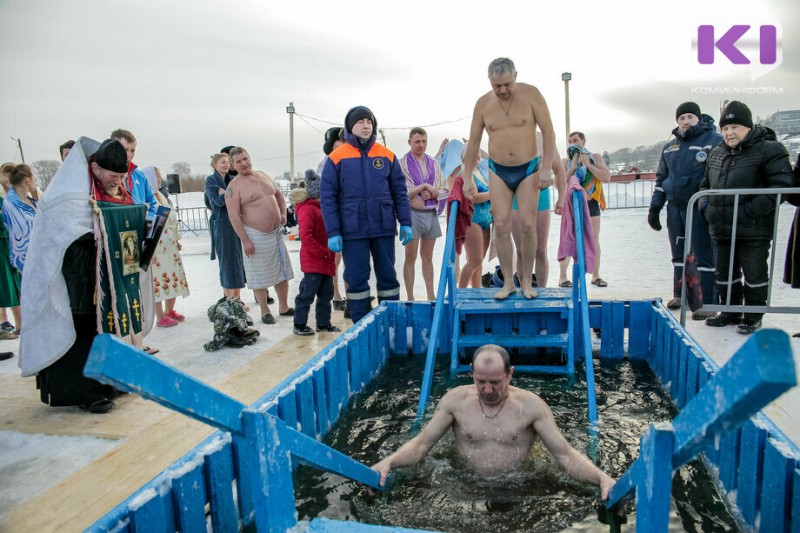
(119, 302)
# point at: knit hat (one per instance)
(331, 136)
(312, 184)
(356, 114)
(687, 107)
(736, 113)
(111, 156)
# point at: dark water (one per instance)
(441, 494)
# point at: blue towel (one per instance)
(450, 158)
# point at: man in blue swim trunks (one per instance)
(541, 264)
(510, 113)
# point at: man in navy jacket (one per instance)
(680, 171)
(363, 195)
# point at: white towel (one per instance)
(270, 264)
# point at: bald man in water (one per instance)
(495, 426)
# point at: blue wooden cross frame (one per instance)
(759, 372)
(268, 442)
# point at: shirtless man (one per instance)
(599, 170)
(257, 211)
(495, 426)
(425, 182)
(510, 113)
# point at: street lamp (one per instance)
(565, 77)
(290, 110)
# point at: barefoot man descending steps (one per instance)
(510, 113)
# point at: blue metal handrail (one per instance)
(760, 371)
(446, 281)
(580, 303)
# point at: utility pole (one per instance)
(19, 145)
(566, 76)
(290, 110)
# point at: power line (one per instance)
(310, 124)
(385, 127)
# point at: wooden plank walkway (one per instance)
(154, 437)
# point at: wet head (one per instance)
(734, 134)
(686, 121)
(491, 373)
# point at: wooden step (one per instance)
(560, 340)
(514, 306)
(488, 294)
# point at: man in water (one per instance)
(510, 113)
(495, 426)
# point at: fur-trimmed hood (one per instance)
(300, 194)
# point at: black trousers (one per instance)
(750, 273)
(311, 286)
(63, 382)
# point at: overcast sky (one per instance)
(188, 77)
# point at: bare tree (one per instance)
(44, 171)
(182, 169)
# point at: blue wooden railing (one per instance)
(759, 372)
(266, 444)
(447, 283)
(756, 462)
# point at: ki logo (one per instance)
(753, 47)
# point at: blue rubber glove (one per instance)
(405, 235)
(335, 244)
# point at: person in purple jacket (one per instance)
(363, 197)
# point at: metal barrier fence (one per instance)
(619, 195)
(628, 194)
(736, 193)
(193, 219)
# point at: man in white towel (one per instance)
(257, 211)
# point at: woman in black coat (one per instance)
(749, 157)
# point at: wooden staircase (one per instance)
(538, 333)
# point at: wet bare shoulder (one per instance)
(456, 397)
(532, 405)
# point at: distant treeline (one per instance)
(644, 157)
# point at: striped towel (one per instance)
(270, 264)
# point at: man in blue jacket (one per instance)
(680, 172)
(136, 183)
(363, 195)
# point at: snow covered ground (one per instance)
(635, 262)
